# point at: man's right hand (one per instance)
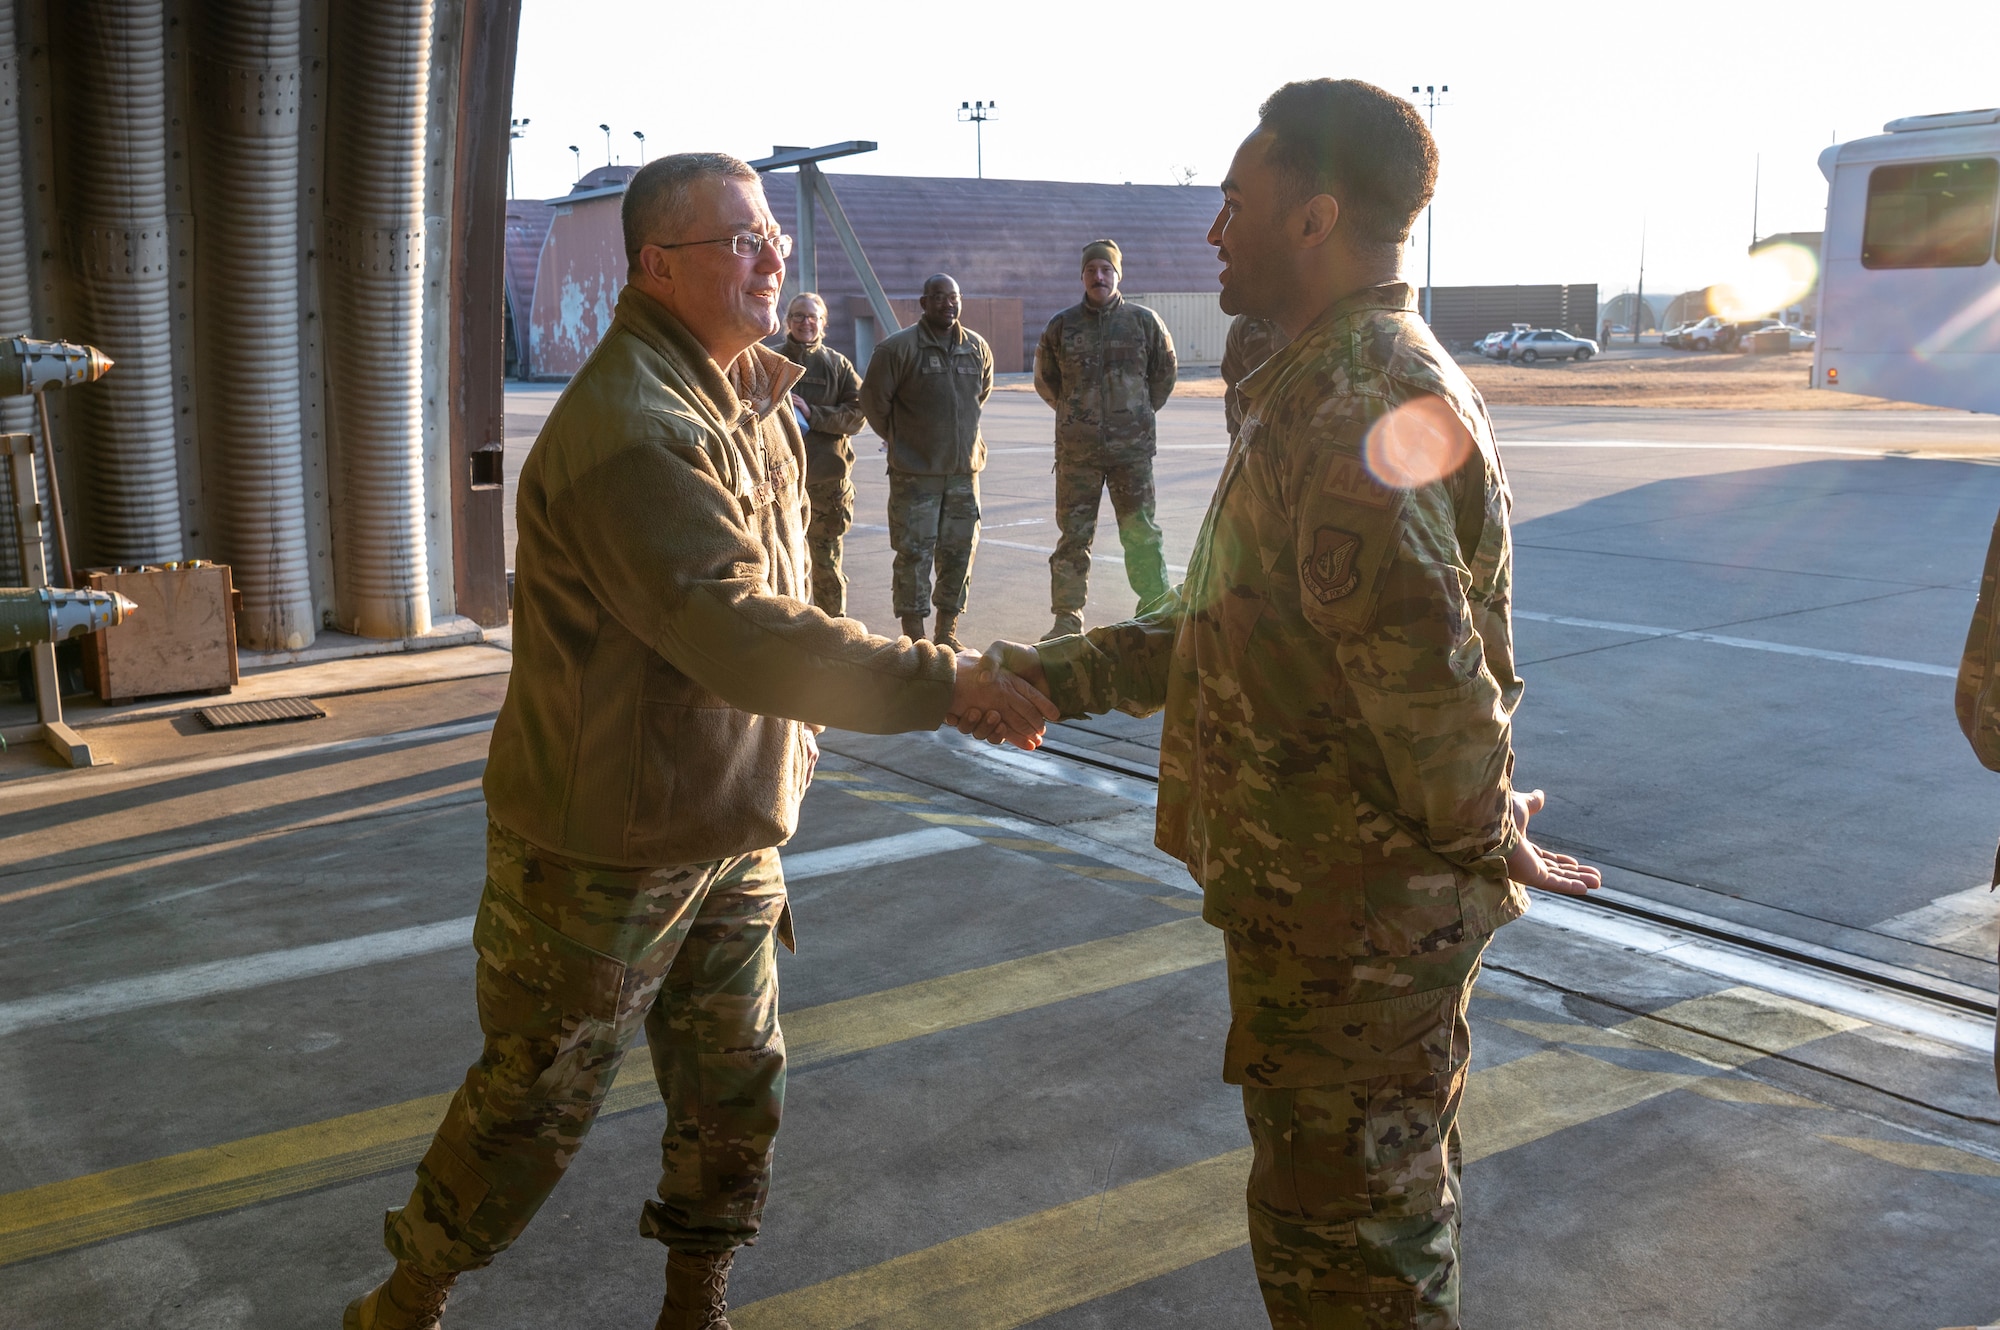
(993, 703)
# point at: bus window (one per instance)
(1930, 215)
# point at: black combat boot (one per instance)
(697, 1291)
(913, 627)
(946, 634)
(407, 1300)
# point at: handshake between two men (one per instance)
(1002, 697)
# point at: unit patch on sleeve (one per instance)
(1328, 571)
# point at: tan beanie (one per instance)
(1105, 249)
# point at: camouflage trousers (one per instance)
(1078, 489)
(832, 514)
(1353, 1072)
(573, 959)
(932, 518)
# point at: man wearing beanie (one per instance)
(1106, 366)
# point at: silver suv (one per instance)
(1549, 344)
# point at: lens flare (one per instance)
(1420, 442)
(1773, 278)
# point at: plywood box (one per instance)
(182, 640)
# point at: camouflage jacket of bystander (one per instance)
(832, 394)
(1337, 669)
(1251, 342)
(1107, 372)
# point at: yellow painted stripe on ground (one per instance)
(1035, 1266)
(1918, 1155)
(1021, 1271)
(1104, 873)
(889, 797)
(61, 1215)
(952, 819)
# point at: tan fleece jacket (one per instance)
(665, 658)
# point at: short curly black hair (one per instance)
(1366, 147)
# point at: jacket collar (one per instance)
(753, 386)
(1389, 295)
(1099, 311)
(947, 340)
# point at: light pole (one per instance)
(607, 143)
(1639, 310)
(516, 129)
(977, 114)
(642, 146)
(1430, 95)
(578, 154)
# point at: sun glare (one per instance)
(1770, 280)
(1420, 442)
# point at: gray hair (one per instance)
(807, 295)
(657, 205)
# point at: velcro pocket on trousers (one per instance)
(571, 976)
(1297, 1047)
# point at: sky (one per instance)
(1568, 130)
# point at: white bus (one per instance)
(1909, 300)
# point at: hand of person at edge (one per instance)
(1535, 867)
(991, 703)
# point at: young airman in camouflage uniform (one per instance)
(828, 396)
(1336, 763)
(1107, 366)
(923, 393)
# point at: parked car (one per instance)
(1549, 344)
(1799, 338)
(1701, 336)
(1736, 336)
(1486, 346)
(1672, 336)
(1504, 348)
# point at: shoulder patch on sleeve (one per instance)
(1347, 478)
(1329, 568)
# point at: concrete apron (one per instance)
(234, 991)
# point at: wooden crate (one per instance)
(182, 640)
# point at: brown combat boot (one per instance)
(407, 1300)
(697, 1291)
(946, 634)
(913, 627)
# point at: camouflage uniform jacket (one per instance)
(664, 655)
(1106, 372)
(1337, 669)
(832, 393)
(923, 393)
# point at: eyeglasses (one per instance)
(744, 244)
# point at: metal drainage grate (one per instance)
(232, 714)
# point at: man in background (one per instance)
(655, 743)
(924, 391)
(827, 400)
(1107, 366)
(1336, 765)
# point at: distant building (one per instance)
(1467, 313)
(1017, 244)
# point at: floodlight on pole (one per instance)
(637, 134)
(578, 153)
(607, 143)
(1431, 93)
(977, 114)
(516, 129)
